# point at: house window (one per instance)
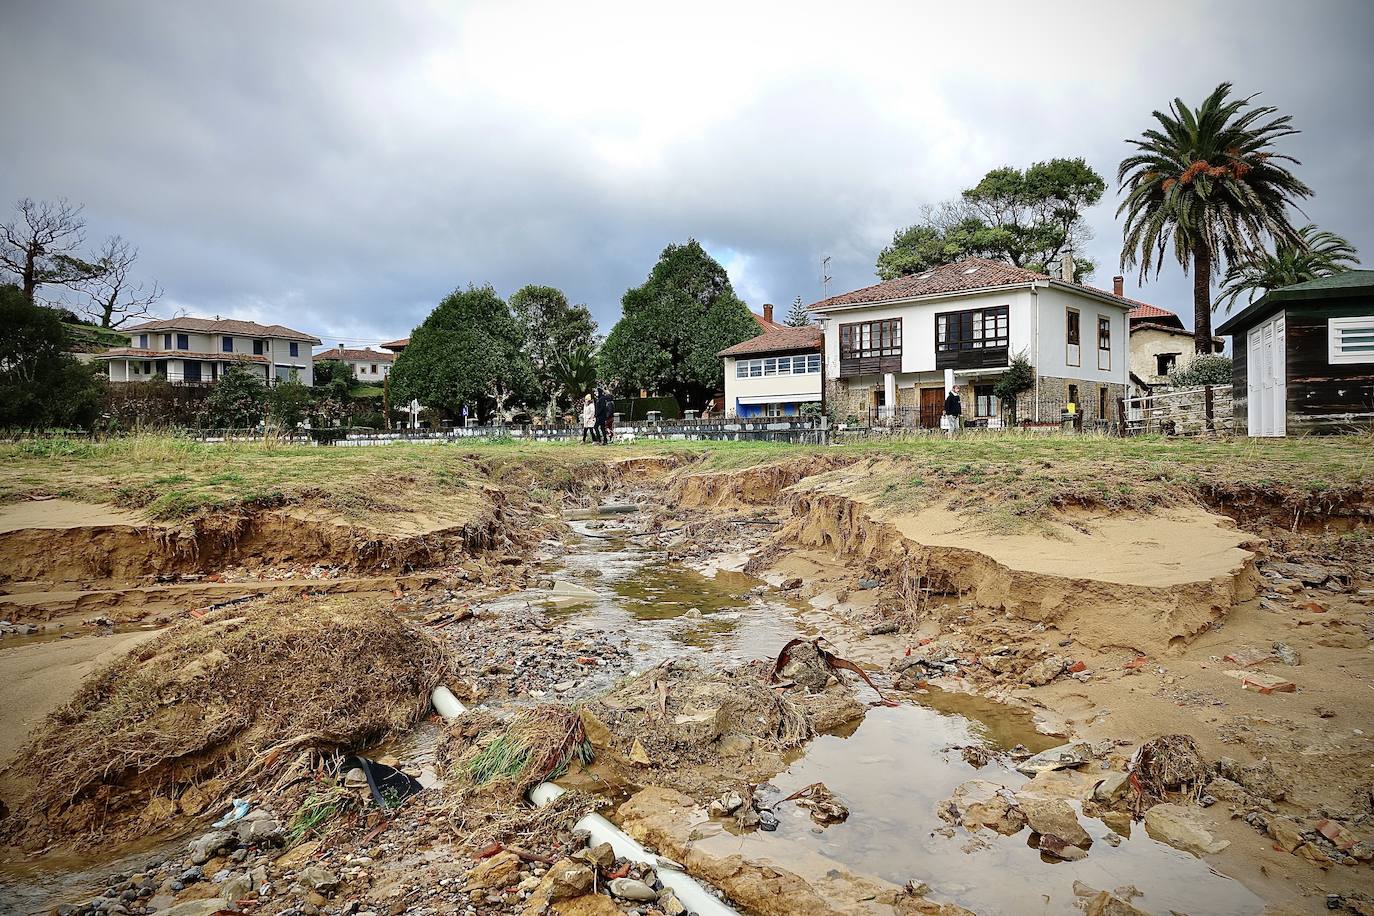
(813, 363)
(295, 349)
(984, 401)
(257, 348)
(286, 373)
(228, 345)
(1165, 363)
(374, 368)
(871, 338)
(143, 341)
(771, 365)
(166, 341)
(1351, 340)
(1104, 343)
(147, 367)
(183, 341)
(974, 329)
(1073, 334)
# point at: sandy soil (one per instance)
(64, 513)
(40, 677)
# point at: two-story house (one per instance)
(369, 366)
(895, 349)
(200, 350)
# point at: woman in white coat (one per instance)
(589, 419)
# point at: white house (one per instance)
(369, 366)
(893, 350)
(199, 350)
(774, 374)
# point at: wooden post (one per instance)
(1208, 409)
(1121, 417)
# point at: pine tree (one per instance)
(797, 315)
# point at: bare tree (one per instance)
(114, 298)
(41, 245)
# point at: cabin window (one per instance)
(871, 338)
(1351, 339)
(1104, 343)
(183, 342)
(974, 329)
(295, 349)
(228, 345)
(1073, 334)
(257, 348)
(1165, 363)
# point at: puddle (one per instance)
(894, 769)
(33, 885)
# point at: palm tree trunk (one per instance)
(1202, 300)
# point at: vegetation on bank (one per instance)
(1014, 474)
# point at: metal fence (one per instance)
(1101, 418)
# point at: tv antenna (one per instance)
(825, 277)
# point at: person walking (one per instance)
(588, 420)
(605, 415)
(954, 408)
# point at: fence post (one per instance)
(1207, 408)
(1121, 417)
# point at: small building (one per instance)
(893, 350)
(1160, 344)
(396, 346)
(200, 350)
(369, 366)
(774, 374)
(1303, 358)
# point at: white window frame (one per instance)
(1336, 329)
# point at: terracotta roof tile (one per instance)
(1144, 310)
(765, 323)
(775, 341)
(399, 344)
(361, 356)
(967, 275)
(230, 326)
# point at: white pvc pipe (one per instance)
(693, 896)
(445, 703)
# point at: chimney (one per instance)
(768, 311)
(1066, 267)
(1119, 286)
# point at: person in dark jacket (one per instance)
(599, 405)
(606, 411)
(954, 408)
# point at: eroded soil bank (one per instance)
(993, 641)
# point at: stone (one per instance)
(734, 745)
(1063, 757)
(1287, 654)
(639, 755)
(602, 855)
(598, 732)
(979, 803)
(355, 778)
(318, 879)
(1259, 778)
(1263, 683)
(1305, 573)
(1112, 788)
(1108, 904)
(633, 889)
(699, 726)
(204, 847)
(1287, 835)
(205, 907)
(670, 905)
(1176, 826)
(259, 830)
(236, 888)
(1057, 848)
(571, 880)
(586, 905)
(1225, 789)
(191, 875)
(1053, 816)
(498, 871)
(1042, 672)
(1248, 656)
(728, 803)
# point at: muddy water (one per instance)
(892, 769)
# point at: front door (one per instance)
(1266, 378)
(932, 407)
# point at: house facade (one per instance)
(1302, 358)
(892, 351)
(201, 350)
(775, 374)
(369, 366)
(1160, 345)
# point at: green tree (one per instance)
(797, 315)
(1027, 218)
(1019, 377)
(672, 327)
(333, 383)
(1316, 253)
(288, 404)
(574, 372)
(42, 386)
(550, 329)
(467, 352)
(236, 400)
(1203, 370)
(1207, 180)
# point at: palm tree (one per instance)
(573, 373)
(1209, 181)
(1317, 253)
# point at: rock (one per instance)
(1042, 672)
(768, 821)
(498, 871)
(602, 855)
(1057, 848)
(632, 889)
(670, 905)
(883, 628)
(1063, 757)
(263, 829)
(1108, 904)
(598, 732)
(1225, 789)
(791, 583)
(1287, 835)
(979, 803)
(728, 803)
(586, 905)
(1305, 573)
(639, 755)
(204, 847)
(1053, 816)
(1258, 778)
(1175, 825)
(1287, 654)
(699, 726)
(1261, 682)
(572, 880)
(734, 745)
(355, 778)
(825, 808)
(205, 907)
(191, 875)
(1112, 788)
(236, 888)
(318, 879)
(1248, 656)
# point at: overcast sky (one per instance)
(338, 167)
